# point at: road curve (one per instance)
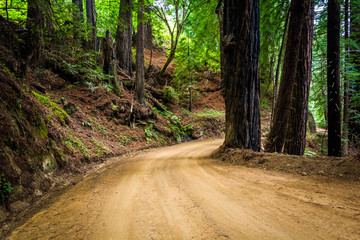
(178, 192)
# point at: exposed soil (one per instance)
(329, 167)
(179, 192)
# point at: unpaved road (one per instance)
(177, 192)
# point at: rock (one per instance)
(3, 213)
(19, 205)
(303, 173)
(38, 193)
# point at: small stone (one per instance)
(303, 173)
(321, 172)
(38, 192)
(341, 175)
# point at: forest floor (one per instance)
(179, 192)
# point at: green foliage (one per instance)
(180, 132)
(74, 142)
(57, 111)
(99, 147)
(209, 114)
(87, 124)
(5, 188)
(170, 94)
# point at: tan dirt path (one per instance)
(178, 192)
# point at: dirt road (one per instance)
(177, 192)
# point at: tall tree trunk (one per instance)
(107, 52)
(333, 78)
(276, 81)
(140, 68)
(220, 13)
(345, 145)
(91, 20)
(35, 25)
(296, 133)
(148, 30)
(124, 37)
(277, 136)
(241, 48)
(78, 19)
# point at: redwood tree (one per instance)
(241, 81)
(289, 121)
(91, 20)
(123, 37)
(35, 25)
(140, 71)
(333, 78)
(296, 133)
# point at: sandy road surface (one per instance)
(178, 193)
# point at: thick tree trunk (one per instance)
(333, 78)
(140, 68)
(241, 48)
(91, 20)
(345, 145)
(34, 41)
(124, 37)
(277, 136)
(296, 133)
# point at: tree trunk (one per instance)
(78, 18)
(124, 37)
(91, 20)
(296, 133)
(345, 145)
(148, 31)
(107, 52)
(168, 60)
(140, 68)
(241, 48)
(333, 78)
(277, 136)
(276, 81)
(220, 13)
(35, 26)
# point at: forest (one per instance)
(272, 85)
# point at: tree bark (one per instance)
(277, 136)
(241, 48)
(276, 80)
(333, 78)
(296, 133)
(220, 13)
(107, 52)
(124, 37)
(91, 20)
(140, 68)
(345, 137)
(35, 26)
(148, 31)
